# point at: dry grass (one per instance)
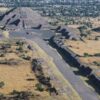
(75, 26)
(89, 61)
(15, 76)
(79, 47)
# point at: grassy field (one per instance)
(88, 50)
(16, 72)
(79, 47)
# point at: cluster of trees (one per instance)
(89, 55)
(72, 11)
(16, 95)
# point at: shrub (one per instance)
(2, 84)
(97, 54)
(2, 55)
(25, 57)
(96, 63)
(22, 95)
(3, 61)
(19, 49)
(40, 87)
(86, 55)
(96, 39)
(20, 43)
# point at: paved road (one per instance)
(64, 68)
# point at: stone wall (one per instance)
(74, 60)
